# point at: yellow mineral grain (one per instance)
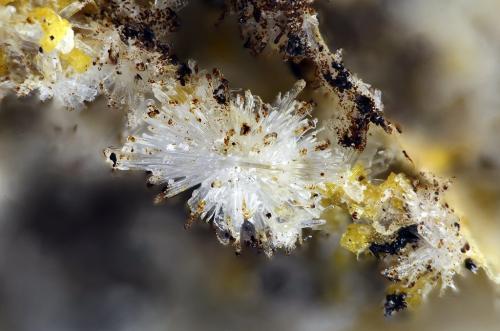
(358, 173)
(332, 195)
(54, 27)
(77, 59)
(369, 207)
(397, 185)
(357, 237)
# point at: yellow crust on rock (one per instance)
(54, 27)
(357, 237)
(369, 206)
(77, 59)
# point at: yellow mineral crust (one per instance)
(357, 238)
(55, 28)
(380, 211)
(369, 205)
(77, 59)
(56, 31)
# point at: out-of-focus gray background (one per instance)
(83, 248)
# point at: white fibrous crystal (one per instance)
(71, 92)
(258, 166)
(440, 243)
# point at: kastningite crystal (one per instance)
(261, 172)
(258, 166)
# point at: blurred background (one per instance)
(85, 248)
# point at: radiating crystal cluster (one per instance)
(258, 166)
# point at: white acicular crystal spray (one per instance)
(258, 166)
